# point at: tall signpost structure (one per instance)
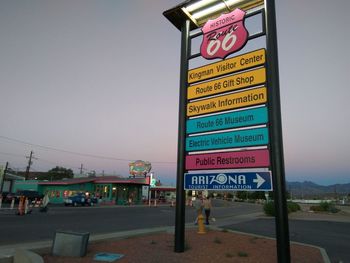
(229, 111)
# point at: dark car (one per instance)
(80, 199)
(6, 197)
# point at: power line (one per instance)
(12, 154)
(76, 153)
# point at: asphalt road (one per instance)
(39, 226)
(332, 236)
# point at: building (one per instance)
(109, 189)
(163, 193)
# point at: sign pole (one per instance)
(181, 151)
(277, 159)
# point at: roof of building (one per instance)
(67, 181)
(118, 180)
(98, 180)
(9, 176)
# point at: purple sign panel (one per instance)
(224, 35)
(228, 160)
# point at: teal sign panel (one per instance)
(228, 120)
(233, 139)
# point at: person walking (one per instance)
(207, 207)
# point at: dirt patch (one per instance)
(214, 246)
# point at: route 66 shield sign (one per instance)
(224, 35)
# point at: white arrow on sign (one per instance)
(259, 180)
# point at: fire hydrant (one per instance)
(201, 226)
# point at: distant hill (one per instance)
(310, 189)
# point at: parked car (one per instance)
(162, 199)
(4, 196)
(80, 199)
(8, 198)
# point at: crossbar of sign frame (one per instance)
(236, 119)
(229, 160)
(244, 181)
(225, 84)
(231, 65)
(231, 139)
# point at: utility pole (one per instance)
(81, 169)
(3, 177)
(29, 164)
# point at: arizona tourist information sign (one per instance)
(229, 181)
(230, 131)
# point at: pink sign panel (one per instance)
(224, 35)
(227, 160)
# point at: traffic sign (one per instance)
(230, 83)
(235, 64)
(227, 120)
(233, 139)
(228, 160)
(227, 102)
(243, 181)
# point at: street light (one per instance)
(199, 12)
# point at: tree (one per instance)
(58, 173)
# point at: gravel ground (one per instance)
(214, 246)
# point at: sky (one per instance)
(96, 83)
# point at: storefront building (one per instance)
(120, 190)
(58, 190)
(109, 189)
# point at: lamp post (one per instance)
(193, 14)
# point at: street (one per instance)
(39, 226)
(333, 236)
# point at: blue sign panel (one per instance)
(251, 137)
(245, 181)
(228, 120)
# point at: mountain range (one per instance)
(311, 190)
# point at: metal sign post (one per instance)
(181, 151)
(276, 145)
(243, 85)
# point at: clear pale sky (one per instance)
(81, 78)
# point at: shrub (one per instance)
(293, 207)
(242, 254)
(269, 208)
(325, 207)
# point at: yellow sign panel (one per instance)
(246, 79)
(227, 102)
(226, 66)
